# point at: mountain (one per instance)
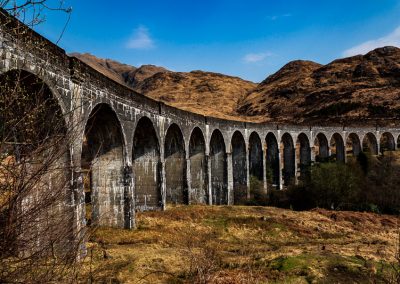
(201, 92)
(122, 73)
(354, 89)
(206, 93)
(358, 89)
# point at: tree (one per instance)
(38, 239)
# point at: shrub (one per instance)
(363, 184)
(335, 185)
(258, 195)
(278, 198)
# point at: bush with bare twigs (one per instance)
(38, 238)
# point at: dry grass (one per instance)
(200, 244)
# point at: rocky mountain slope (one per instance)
(354, 89)
(201, 92)
(358, 89)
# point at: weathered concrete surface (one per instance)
(239, 169)
(197, 165)
(140, 166)
(175, 166)
(218, 169)
(147, 166)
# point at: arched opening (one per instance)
(146, 166)
(321, 148)
(289, 167)
(102, 164)
(272, 167)
(219, 191)
(337, 148)
(398, 142)
(370, 144)
(175, 166)
(198, 170)
(303, 154)
(35, 169)
(239, 168)
(256, 168)
(387, 142)
(353, 145)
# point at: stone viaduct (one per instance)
(133, 153)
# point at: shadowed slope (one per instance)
(350, 89)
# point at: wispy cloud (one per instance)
(392, 39)
(276, 17)
(140, 39)
(256, 57)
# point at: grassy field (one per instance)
(226, 244)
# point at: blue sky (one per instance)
(250, 39)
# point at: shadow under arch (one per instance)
(353, 145)
(256, 168)
(239, 168)
(398, 142)
(24, 75)
(198, 168)
(387, 142)
(272, 164)
(147, 166)
(337, 148)
(175, 166)
(303, 154)
(218, 164)
(370, 144)
(288, 161)
(35, 148)
(102, 162)
(321, 148)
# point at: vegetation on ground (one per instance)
(245, 244)
(366, 183)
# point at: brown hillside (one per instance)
(357, 89)
(346, 90)
(108, 67)
(122, 73)
(201, 92)
(206, 93)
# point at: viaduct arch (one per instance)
(134, 153)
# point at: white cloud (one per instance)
(256, 57)
(392, 39)
(276, 17)
(140, 39)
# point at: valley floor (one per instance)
(236, 244)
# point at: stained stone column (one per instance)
(188, 179)
(264, 153)
(229, 163)
(296, 166)
(248, 172)
(163, 182)
(78, 201)
(312, 154)
(129, 198)
(281, 168)
(208, 178)
(378, 146)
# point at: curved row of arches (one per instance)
(198, 176)
(206, 174)
(213, 171)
